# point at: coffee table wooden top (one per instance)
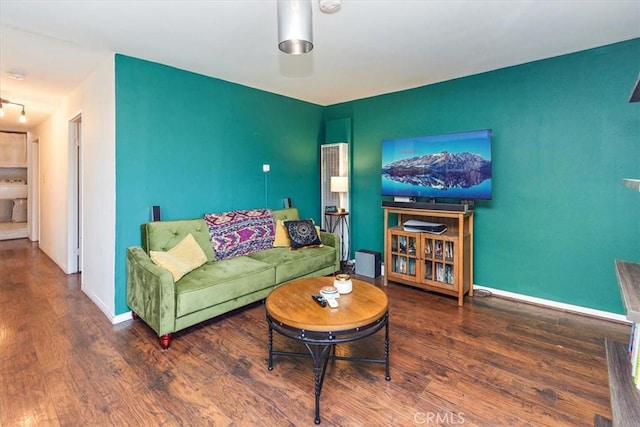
(291, 304)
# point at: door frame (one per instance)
(34, 185)
(75, 195)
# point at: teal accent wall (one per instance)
(338, 130)
(193, 144)
(564, 136)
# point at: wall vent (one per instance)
(334, 161)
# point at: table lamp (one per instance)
(340, 184)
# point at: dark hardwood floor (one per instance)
(493, 362)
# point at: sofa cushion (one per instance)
(291, 265)
(302, 233)
(240, 232)
(183, 258)
(189, 250)
(221, 281)
(164, 235)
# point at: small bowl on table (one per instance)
(330, 292)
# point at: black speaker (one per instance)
(456, 207)
(155, 213)
(287, 202)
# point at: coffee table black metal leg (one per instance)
(386, 351)
(319, 354)
(270, 348)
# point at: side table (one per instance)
(338, 220)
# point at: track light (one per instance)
(23, 114)
(295, 30)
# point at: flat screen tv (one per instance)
(448, 166)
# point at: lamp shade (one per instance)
(295, 28)
(339, 184)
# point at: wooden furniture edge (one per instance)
(625, 398)
(460, 216)
(629, 280)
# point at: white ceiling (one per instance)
(368, 48)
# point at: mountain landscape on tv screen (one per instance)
(442, 170)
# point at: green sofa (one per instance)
(216, 287)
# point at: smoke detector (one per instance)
(16, 75)
(329, 6)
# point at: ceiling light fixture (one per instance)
(295, 29)
(23, 114)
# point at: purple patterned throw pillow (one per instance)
(240, 232)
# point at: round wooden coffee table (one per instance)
(293, 313)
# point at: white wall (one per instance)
(34, 187)
(94, 99)
(99, 186)
(52, 137)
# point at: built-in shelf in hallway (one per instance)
(13, 230)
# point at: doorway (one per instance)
(75, 199)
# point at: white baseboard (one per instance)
(121, 318)
(97, 301)
(555, 304)
(551, 304)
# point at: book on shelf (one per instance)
(634, 354)
(448, 273)
(441, 273)
(438, 248)
(636, 377)
(428, 274)
(448, 250)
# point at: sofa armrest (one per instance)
(330, 239)
(150, 291)
(333, 240)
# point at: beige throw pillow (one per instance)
(183, 258)
(282, 235)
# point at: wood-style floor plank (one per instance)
(493, 362)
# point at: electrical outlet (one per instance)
(266, 168)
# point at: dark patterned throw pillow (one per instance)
(302, 233)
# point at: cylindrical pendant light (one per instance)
(295, 29)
